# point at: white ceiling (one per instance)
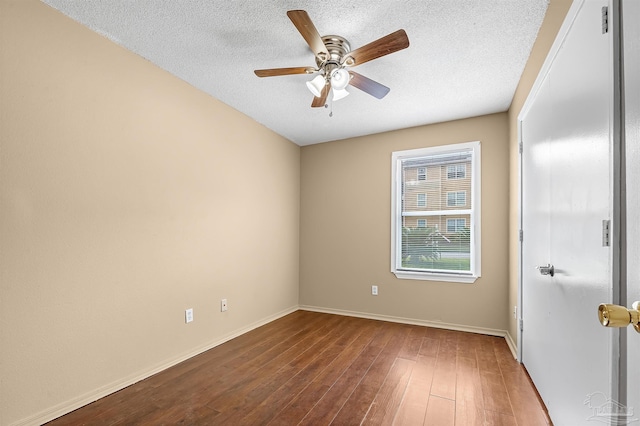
(465, 56)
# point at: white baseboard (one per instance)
(89, 397)
(512, 345)
(402, 320)
(82, 400)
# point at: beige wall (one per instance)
(345, 228)
(121, 205)
(554, 17)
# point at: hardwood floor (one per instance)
(316, 369)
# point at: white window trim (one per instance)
(456, 204)
(456, 219)
(396, 215)
(422, 174)
(422, 203)
(455, 171)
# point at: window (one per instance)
(422, 173)
(422, 200)
(456, 171)
(456, 225)
(440, 241)
(456, 199)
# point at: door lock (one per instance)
(546, 270)
(619, 316)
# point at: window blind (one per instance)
(437, 212)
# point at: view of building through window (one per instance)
(436, 211)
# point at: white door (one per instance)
(631, 43)
(567, 194)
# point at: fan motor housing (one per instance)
(337, 46)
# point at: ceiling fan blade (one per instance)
(322, 99)
(367, 85)
(305, 26)
(273, 72)
(383, 46)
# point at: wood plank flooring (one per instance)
(311, 368)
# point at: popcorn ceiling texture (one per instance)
(465, 56)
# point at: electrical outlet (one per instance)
(223, 305)
(515, 312)
(188, 315)
(374, 290)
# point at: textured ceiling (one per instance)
(465, 56)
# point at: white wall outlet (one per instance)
(188, 315)
(223, 305)
(374, 290)
(515, 312)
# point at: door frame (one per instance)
(630, 104)
(617, 252)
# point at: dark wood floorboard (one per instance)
(318, 369)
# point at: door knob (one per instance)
(546, 270)
(619, 316)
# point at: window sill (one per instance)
(431, 276)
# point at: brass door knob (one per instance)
(619, 316)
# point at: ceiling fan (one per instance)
(334, 58)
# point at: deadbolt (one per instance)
(546, 270)
(619, 316)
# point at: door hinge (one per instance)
(521, 324)
(605, 19)
(606, 233)
(521, 235)
(520, 148)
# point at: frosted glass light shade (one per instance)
(340, 79)
(339, 94)
(316, 85)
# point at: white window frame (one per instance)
(456, 170)
(423, 202)
(456, 219)
(455, 199)
(421, 223)
(423, 175)
(474, 223)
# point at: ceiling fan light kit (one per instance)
(339, 94)
(333, 57)
(316, 85)
(340, 79)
